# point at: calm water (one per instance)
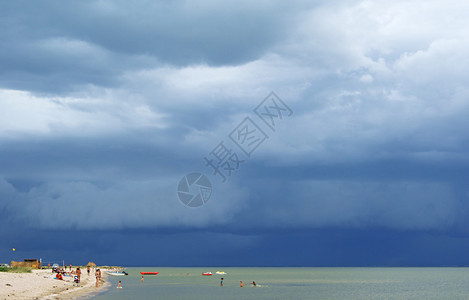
(293, 283)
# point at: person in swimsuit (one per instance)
(221, 282)
(79, 274)
(97, 273)
(141, 279)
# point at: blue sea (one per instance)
(291, 283)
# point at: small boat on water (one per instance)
(220, 273)
(113, 273)
(149, 273)
(207, 274)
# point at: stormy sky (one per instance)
(106, 105)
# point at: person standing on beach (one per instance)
(79, 274)
(88, 270)
(221, 282)
(97, 273)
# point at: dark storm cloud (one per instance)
(106, 105)
(52, 46)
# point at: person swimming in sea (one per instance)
(119, 286)
(221, 282)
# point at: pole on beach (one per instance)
(13, 256)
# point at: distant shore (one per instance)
(40, 284)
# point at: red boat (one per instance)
(207, 274)
(149, 273)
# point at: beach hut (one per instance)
(29, 263)
(91, 264)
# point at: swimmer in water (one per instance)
(141, 279)
(119, 286)
(241, 284)
(221, 282)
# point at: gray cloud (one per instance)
(377, 138)
(52, 47)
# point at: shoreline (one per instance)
(39, 284)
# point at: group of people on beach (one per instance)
(77, 274)
(61, 273)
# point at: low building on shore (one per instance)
(30, 263)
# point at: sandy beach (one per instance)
(40, 284)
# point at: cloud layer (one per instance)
(106, 105)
